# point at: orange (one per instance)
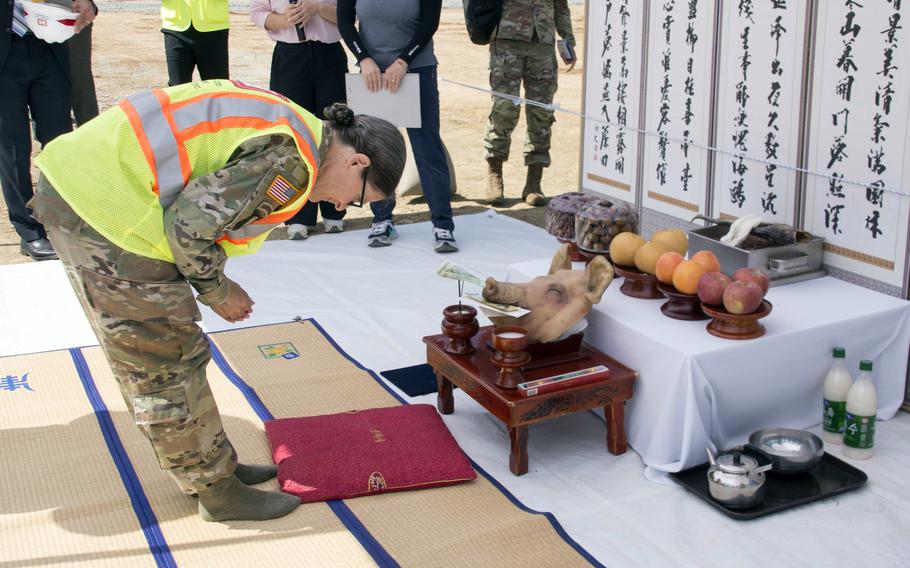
(687, 275)
(666, 266)
(707, 260)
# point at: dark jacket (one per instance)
(6, 36)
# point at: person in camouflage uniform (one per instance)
(523, 50)
(143, 312)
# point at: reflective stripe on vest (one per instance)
(163, 127)
(159, 144)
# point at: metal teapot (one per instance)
(736, 479)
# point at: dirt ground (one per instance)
(128, 55)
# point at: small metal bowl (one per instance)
(791, 451)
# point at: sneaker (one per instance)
(445, 242)
(333, 225)
(382, 234)
(297, 232)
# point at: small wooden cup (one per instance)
(509, 343)
(737, 326)
(686, 307)
(638, 284)
(459, 325)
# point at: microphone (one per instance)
(301, 34)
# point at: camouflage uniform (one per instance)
(524, 50)
(143, 312)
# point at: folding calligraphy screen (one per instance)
(759, 107)
(859, 131)
(678, 106)
(611, 95)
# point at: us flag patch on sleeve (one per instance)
(281, 190)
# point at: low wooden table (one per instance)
(475, 374)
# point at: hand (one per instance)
(394, 75)
(301, 12)
(86, 11)
(566, 51)
(309, 9)
(292, 15)
(237, 306)
(371, 75)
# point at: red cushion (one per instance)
(337, 456)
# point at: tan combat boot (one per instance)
(495, 185)
(532, 193)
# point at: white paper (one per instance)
(761, 69)
(401, 109)
(612, 87)
(863, 234)
(675, 176)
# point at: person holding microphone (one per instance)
(308, 67)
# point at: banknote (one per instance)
(451, 270)
(500, 307)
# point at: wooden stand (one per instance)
(574, 254)
(637, 284)
(459, 325)
(591, 255)
(681, 306)
(732, 326)
(476, 376)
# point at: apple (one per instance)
(742, 297)
(711, 288)
(756, 275)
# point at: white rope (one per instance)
(682, 141)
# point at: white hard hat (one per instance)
(51, 23)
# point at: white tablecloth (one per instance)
(696, 390)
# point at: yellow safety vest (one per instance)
(120, 171)
(205, 15)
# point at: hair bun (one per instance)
(339, 114)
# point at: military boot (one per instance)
(532, 194)
(495, 186)
(230, 500)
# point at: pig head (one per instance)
(556, 301)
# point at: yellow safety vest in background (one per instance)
(205, 15)
(120, 171)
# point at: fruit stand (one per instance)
(697, 390)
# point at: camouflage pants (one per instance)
(511, 62)
(143, 313)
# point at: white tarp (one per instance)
(378, 303)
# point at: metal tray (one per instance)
(788, 261)
(780, 262)
(829, 477)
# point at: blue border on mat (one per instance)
(549, 516)
(141, 506)
(342, 511)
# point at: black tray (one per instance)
(829, 477)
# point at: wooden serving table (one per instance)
(475, 374)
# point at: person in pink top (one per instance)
(308, 67)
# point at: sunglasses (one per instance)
(363, 192)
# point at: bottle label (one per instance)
(835, 415)
(859, 431)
